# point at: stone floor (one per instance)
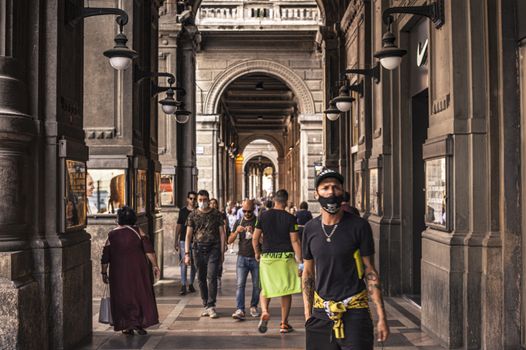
(182, 327)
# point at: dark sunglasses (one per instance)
(191, 198)
(247, 211)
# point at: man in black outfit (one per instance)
(334, 292)
(180, 238)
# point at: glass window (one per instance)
(75, 204)
(142, 189)
(167, 190)
(106, 190)
(374, 193)
(436, 192)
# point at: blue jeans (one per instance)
(183, 265)
(244, 266)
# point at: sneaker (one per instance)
(254, 311)
(238, 315)
(183, 290)
(263, 323)
(285, 328)
(212, 312)
(205, 312)
(191, 288)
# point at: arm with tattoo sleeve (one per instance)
(308, 285)
(375, 293)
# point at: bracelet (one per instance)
(187, 253)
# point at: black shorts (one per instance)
(358, 328)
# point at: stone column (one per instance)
(311, 151)
(186, 133)
(207, 162)
(238, 194)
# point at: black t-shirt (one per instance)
(303, 216)
(245, 245)
(336, 273)
(277, 226)
(183, 216)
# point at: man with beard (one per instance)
(334, 292)
(246, 261)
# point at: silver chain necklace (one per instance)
(330, 234)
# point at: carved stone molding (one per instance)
(100, 133)
(441, 104)
(289, 77)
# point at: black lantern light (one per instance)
(332, 113)
(344, 100)
(120, 56)
(391, 56)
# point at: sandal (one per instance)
(285, 328)
(263, 322)
(128, 332)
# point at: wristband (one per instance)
(187, 253)
(300, 266)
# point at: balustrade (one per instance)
(247, 12)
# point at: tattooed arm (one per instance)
(308, 285)
(375, 293)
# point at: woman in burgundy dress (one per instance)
(127, 249)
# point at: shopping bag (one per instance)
(105, 308)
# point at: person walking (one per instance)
(303, 216)
(334, 292)
(246, 261)
(205, 227)
(215, 205)
(132, 298)
(180, 239)
(281, 250)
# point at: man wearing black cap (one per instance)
(334, 291)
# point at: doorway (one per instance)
(419, 125)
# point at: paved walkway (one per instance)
(182, 327)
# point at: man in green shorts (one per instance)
(339, 276)
(278, 271)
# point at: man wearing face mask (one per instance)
(205, 226)
(246, 261)
(335, 292)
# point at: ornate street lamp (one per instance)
(344, 100)
(332, 113)
(391, 56)
(368, 72)
(120, 56)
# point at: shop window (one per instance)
(436, 193)
(106, 190)
(75, 204)
(141, 191)
(374, 192)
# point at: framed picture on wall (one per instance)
(75, 199)
(106, 190)
(437, 214)
(166, 190)
(374, 192)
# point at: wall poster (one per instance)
(141, 191)
(358, 201)
(436, 192)
(167, 190)
(75, 196)
(106, 190)
(374, 192)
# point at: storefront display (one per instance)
(75, 196)
(167, 190)
(436, 192)
(106, 190)
(141, 191)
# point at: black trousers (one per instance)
(358, 328)
(207, 259)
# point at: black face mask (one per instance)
(331, 204)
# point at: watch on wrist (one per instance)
(187, 253)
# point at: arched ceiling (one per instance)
(259, 102)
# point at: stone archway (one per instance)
(245, 140)
(288, 76)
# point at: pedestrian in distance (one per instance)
(281, 250)
(339, 276)
(205, 227)
(179, 245)
(246, 261)
(126, 254)
(303, 216)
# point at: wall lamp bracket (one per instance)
(374, 72)
(434, 11)
(75, 12)
(357, 87)
(156, 89)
